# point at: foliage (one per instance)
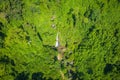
(88, 28)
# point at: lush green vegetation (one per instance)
(90, 30)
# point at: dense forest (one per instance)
(89, 37)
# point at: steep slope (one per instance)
(89, 29)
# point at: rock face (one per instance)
(89, 28)
(60, 56)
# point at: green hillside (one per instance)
(88, 29)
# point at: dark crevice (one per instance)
(28, 38)
(108, 68)
(97, 32)
(74, 19)
(38, 76)
(21, 27)
(39, 36)
(89, 71)
(22, 76)
(2, 37)
(1, 25)
(72, 75)
(5, 59)
(118, 1)
(91, 29)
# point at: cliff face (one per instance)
(89, 29)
